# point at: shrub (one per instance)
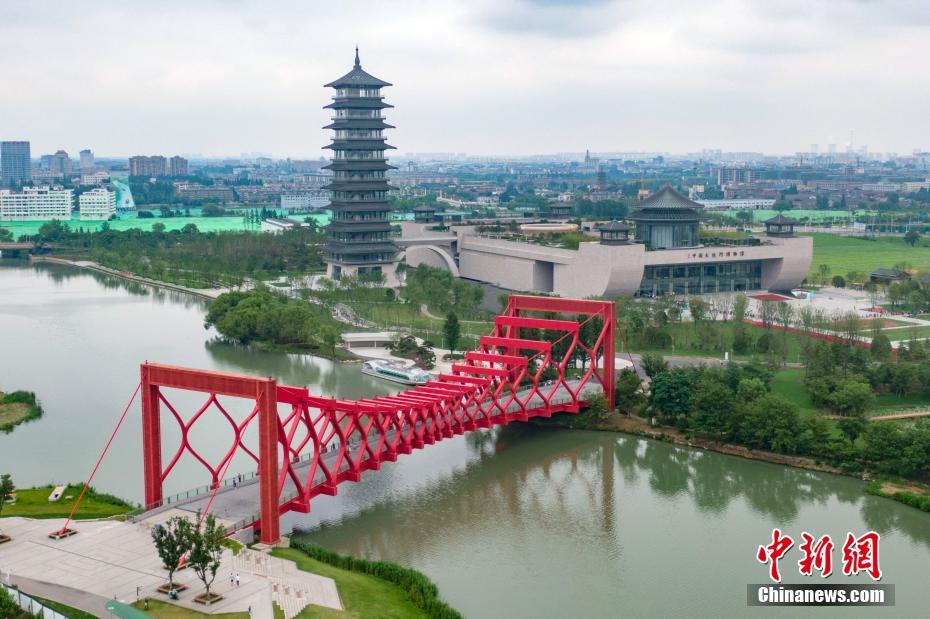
(421, 590)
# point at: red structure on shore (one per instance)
(543, 357)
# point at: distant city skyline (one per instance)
(485, 78)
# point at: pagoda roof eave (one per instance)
(359, 145)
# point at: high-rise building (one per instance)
(177, 166)
(34, 203)
(736, 176)
(61, 163)
(15, 166)
(97, 203)
(359, 233)
(87, 161)
(155, 165)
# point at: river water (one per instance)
(514, 522)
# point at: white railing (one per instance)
(30, 604)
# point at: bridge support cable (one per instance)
(64, 529)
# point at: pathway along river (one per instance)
(514, 522)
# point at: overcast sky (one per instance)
(478, 76)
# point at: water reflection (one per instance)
(584, 481)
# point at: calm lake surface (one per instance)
(514, 522)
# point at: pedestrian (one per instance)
(250, 610)
(231, 579)
(237, 581)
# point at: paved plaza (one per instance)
(109, 559)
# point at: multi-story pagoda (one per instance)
(359, 233)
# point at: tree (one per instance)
(670, 392)
(881, 346)
(452, 331)
(824, 270)
(628, 390)
(851, 397)
(839, 281)
(911, 237)
(782, 205)
(206, 549)
(172, 540)
(6, 489)
(330, 337)
(852, 426)
(772, 423)
(653, 364)
(713, 407)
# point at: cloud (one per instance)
(552, 18)
(486, 76)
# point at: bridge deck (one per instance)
(238, 506)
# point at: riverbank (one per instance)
(18, 407)
(206, 293)
(911, 493)
(34, 503)
(371, 588)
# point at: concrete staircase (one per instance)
(291, 588)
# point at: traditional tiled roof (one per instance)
(614, 226)
(780, 220)
(666, 204)
(357, 77)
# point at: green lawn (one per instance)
(163, 610)
(788, 383)
(67, 611)
(844, 254)
(362, 595)
(685, 343)
(907, 333)
(34, 503)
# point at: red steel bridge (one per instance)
(545, 355)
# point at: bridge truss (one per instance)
(544, 355)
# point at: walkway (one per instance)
(113, 560)
(239, 505)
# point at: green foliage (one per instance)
(851, 397)
(6, 489)
(628, 392)
(18, 407)
(172, 540)
(8, 607)
(192, 258)
(418, 588)
(920, 501)
(670, 392)
(653, 364)
(408, 348)
(898, 449)
(440, 291)
(772, 424)
(206, 548)
(452, 330)
(263, 316)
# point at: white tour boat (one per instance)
(396, 371)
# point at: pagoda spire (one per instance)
(358, 63)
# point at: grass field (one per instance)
(789, 384)
(362, 595)
(163, 610)
(67, 611)
(34, 503)
(844, 254)
(13, 414)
